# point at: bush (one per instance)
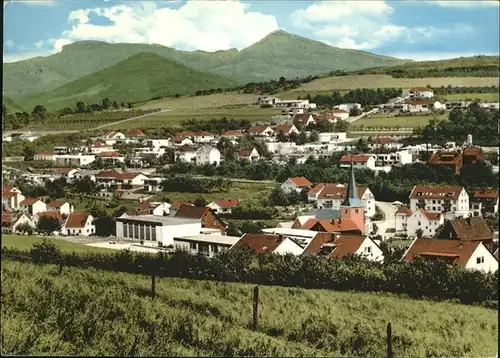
(45, 252)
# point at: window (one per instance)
(356, 211)
(368, 249)
(480, 260)
(125, 230)
(153, 233)
(203, 248)
(215, 249)
(136, 231)
(192, 245)
(142, 234)
(419, 223)
(148, 232)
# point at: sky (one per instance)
(418, 30)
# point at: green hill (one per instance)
(138, 78)
(278, 54)
(11, 105)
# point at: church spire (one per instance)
(351, 199)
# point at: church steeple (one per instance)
(351, 199)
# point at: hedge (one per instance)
(418, 279)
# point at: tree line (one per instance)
(365, 97)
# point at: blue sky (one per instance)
(418, 30)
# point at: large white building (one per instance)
(451, 200)
(77, 160)
(425, 221)
(331, 195)
(79, 223)
(395, 158)
(209, 244)
(207, 155)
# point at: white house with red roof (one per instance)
(296, 184)
(78, 223)
(119, 180)
(331, 195)
(451, 200)
(61, 206)
(66, 173)
(49, 156)
(485, 202)
(358, 161)
(11, 221)
(248, 154)
(425, 221)
(112, 157)
(401, 219)
(233, 134)
(181, 141)
(286, 129)
(303, 119)
(185, 154)
(384, 142)
(113, 135)
(11, 198)
(32, 206)
(198, 136)
(224, 206)
(136, 133)
(261, 131)
(99, 147)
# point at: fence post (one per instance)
(389, 341)
(153, 287)
(255, 307)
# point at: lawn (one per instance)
(248, 192)
(483, 97)
(26, 242)
(392, 121)
(98, 313)
(178, 115)
(215, 100)
(400, 242)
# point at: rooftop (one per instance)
(163, 220)
(216, 239)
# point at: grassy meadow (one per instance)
(22, 242)
(91, 312)
(484, 97)
(392, 121)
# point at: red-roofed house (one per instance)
(331, 196)
(11, 221)
(248, 154)
(66, 173)
(345, 225)
(78, 223)
(113, 135)
(286, 129)
(485, 202)
(384, 142)
(11, 198)
(224, 206)
(295, 184)
(336, 246)
(425, 221)
(361, 161)
(262, 131)
(268, 243)
(32, 206)
(111, 157)
(340, 114)
(452, 200)
(50, 156)
(233, 134)
(137, 133)
(120, 180)
(181, 141)
(61, 206)
(401, 218)
(472, 255)
(304, 119)
(100, 147)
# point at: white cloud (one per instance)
(433, 56)
(363, 25)
(9, 44)
(465, 4)
(196, 25)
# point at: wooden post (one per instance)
(389, 341)
(255, 308)
(153, 287)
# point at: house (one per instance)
(361, 161)
(456, 159)
(348, 106)
(99, 147)
(467, 229)
(285, 129)
(81, 174)
(156, 230)
(66, 173)
(206, 215)
(326, 117)
(11, 198)
(401, 157)
(332, 137)
(268, 100)
(153, 184)
(60, 206)
(136, 134)
(154, 208)
(181, 141)
(485, 202)
(207, 155)
(295, 103)
(296, 184)
(176, 205)
(336, 246)
(120, 180)
(32, 206)
(49, 156)
(426, 221)
(207, 244)
(452, 200)
(301, 237)
(113, 158)
(401, 219)
(384, 142)
(78, 223)
(268, 243)
(418, 93)
(185, 154)
(198, 136)
(233, 134)
(420, 105)
(340, 114)
(248, 154)
(331, 196)
(113, 135)
(158, 143)
(260, 131)
(74, 160)
(49, 215)
(224, 206)
(303, 119)
(472, 255)
(11, 221)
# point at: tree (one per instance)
(56, 188)
(105, 226)
(129, 105)
(47, 225)
(105, 103)
(115, 105)
(282, 81)
(84, 185)
(28, 153)
(354, 112)
(39, 112)
(25, 229)
(200, 202)
(313, 136)
(80, 107)
(419, 233)
(278, 197)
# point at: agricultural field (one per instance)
(294, 94)
(216, 100)
(483, 97)
(178, 115)
(392, 121)
(22, 242)
(91, 312)
(248, 192)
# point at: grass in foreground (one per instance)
(177, 116)
(91, 312)
(22, 242)
(392, 122)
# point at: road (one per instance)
(354, 119)
(389, 223)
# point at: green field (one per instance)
(177, 116)
(392, 121)
(484, 97)
(26, 242)
(91, 312)
(248, 192)
(216, 100)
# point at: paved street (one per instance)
(389, 223)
